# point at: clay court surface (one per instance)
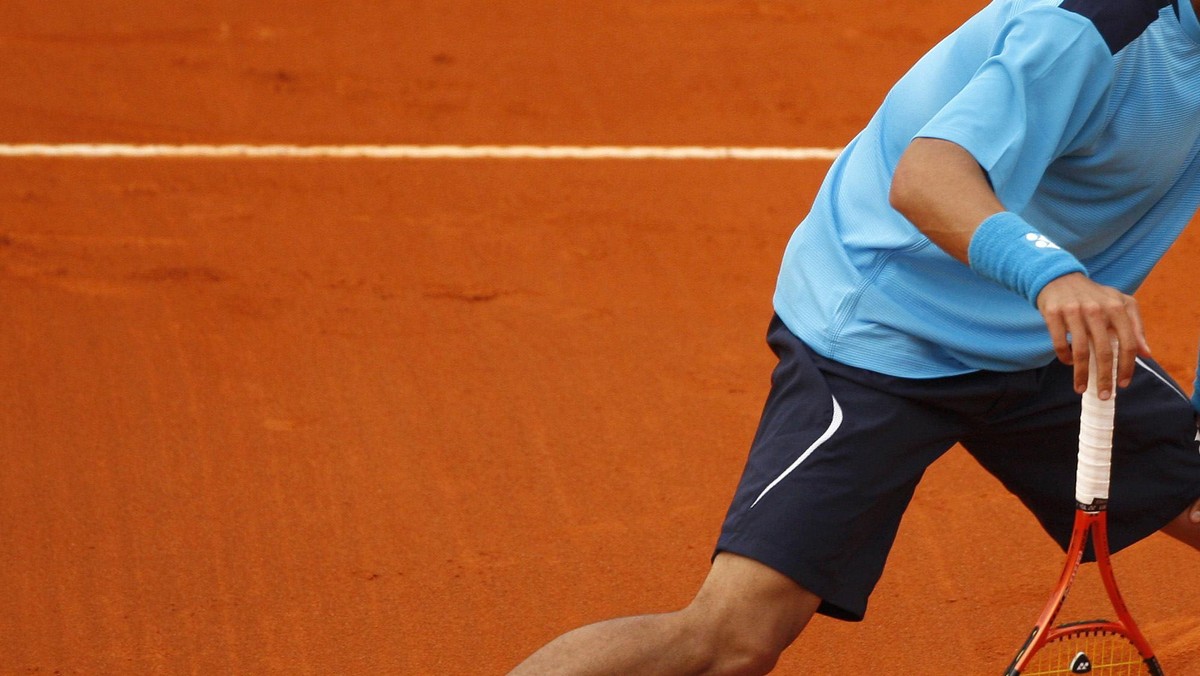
(287, 416)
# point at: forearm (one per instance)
(940, 188)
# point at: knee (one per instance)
(745, 664)
(747, 660)
(1186, 526)
(727, 649)
(744, 616)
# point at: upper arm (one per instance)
(1039, 95)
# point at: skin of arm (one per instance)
(940, 188)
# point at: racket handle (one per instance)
(1095, 438)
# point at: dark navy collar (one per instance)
(1187, 19)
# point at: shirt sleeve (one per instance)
(1039, 95)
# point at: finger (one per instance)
(1080, 350)
(1058, 337)
(1127, 353)
(1098, 325)
(1126, 360)
(1135, 316)
(1125, 326)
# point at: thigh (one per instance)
(834, 464)
(1032, 448)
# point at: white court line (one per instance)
(414, 152)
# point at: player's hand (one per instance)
(1083, 317)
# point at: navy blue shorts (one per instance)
(839, 451)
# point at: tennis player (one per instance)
(966, 253)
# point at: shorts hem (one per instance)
(834, 602)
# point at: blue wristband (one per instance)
(1008, 250)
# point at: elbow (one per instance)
(904, 193)
(923, 177)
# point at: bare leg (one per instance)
(743, 617)
(1186, 526)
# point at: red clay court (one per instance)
(419, 416)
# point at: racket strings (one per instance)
(1096, 652)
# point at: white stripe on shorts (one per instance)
(1166, 382)
(833, 427)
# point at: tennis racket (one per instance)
(1098, 647)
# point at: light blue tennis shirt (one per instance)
(1085, 115)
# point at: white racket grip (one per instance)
(1095, 438)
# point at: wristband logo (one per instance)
(1040, 241)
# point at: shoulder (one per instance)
(1119, 22)
(1092, 30)
(1047, 37)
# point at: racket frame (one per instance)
(1091, 522)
